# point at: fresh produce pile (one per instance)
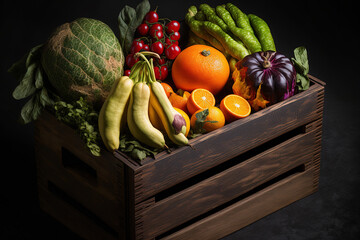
(142, 92)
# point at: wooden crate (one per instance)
(230, 178)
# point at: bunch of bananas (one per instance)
(128, 102)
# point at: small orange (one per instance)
(200, 66)
(186, 94)
(168, 89)
(235, 107)
(200, 99)
(179, 101)
(187, 119)
(214, 120)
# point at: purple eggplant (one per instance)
(268, 77)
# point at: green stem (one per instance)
(152, 73)
(147, 53)
(144, 76)
(144, 69)
(135, 71)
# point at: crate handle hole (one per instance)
(78, 167)
(61, 195)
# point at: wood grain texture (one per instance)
(214, 148)
(101, 191)
(115, 197)
(249, 209)
(72, 218)
(227, 185)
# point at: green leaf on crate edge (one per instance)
(301, 64)
(128, 20)
(138, 154)
(134, 148)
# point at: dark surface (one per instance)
(326, 29)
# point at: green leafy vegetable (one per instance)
(83, 118)
(129, 145)
(129, 19)
(301, 64)
(29, 72)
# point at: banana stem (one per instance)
(143, 72)
(135, 71)
(152, 73)
(146, 53)
(150, 66)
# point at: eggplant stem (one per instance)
(266, 56)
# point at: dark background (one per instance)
(326, 28)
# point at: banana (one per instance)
(172, 121)
(111, 116)
(138, 117)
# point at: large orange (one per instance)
(200, 66)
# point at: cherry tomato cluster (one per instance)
(159, 36)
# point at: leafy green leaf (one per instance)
(34, 55)
(27, 85)
(28, 71)
(138, 154)
(45, 100)
(39, 80)
(126, 16)
(19, 68)
(136, 150)
(83, 118)
(26, 111)
(37, 108)
(301, 58)
(128, 20)
(301, 65)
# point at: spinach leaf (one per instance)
(301, 64)
(128, 20)
(26, 87)
(136, 150)
(29, 72)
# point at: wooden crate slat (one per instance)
(103, 192)
(62, 136)
(105, 206)
(72, 218)
(226, 185)
(249, 209)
